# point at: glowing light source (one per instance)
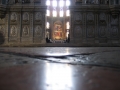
(54, 3)
(67, 2)
(48, 2)
(48, 25)
(54, 13)
(68, 13)
(67, 33)
(61, 13)
(48, 12)
(67, 25)
(61, 3)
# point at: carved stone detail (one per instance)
(25, 17)
(114, 31)
(38, 16)
(90, 16)
(102, 16)
(2, 20)
(78, 17)
(38, 31)
(114, 20)
(90, 31)
(13, 17)
(13, 31)
(77, 31)
(102, 31)
(25, 31)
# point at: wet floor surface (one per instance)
(48, 68)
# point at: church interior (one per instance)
(63, 22)
(59, 44)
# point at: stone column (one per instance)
(71, 26)
(7, 28)
(31, 26)
(96, 27)
(109, 28)
(44, 27)
(19, 26)
(119, 28)
(84, 27)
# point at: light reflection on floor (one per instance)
(59, 53)
(56, 51)
(59, 78)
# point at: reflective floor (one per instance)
(55, 76)
(57, 51)
(20, 70)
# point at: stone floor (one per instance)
(60, 68)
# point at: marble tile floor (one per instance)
(63, 68)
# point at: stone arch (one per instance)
(13, 17)
(38, 30)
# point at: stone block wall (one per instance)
(94, 25)
(23, 25)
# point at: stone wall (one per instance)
(23, 25)
(94, 25)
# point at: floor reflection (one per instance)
(61, 52)
(59, 77)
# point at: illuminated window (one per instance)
(61, 13)
(54, 13)
(48, 12)
(68, 13)
(48, 2)
(67, 2)
(48, 25)
(67, 25)
(61, 3)
(54, 3)
(58, 8)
